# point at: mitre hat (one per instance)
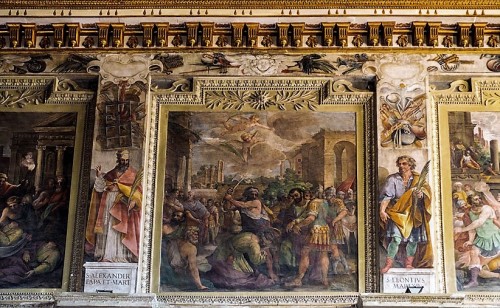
(123, 154)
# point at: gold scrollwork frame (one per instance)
(477, 94)
(300, 94)
(49, 94)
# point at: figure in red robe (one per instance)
(113, 228)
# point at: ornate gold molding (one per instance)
(340, 300)
(121, 300)
(296, 4)
(272, 94)
(331, 34)
(17, 298)
(483, 91)
(261, 94)
(413, 300)
(488, 90)
(476, 94)
(20, 92)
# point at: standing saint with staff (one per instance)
(113, 227)
(405, 211)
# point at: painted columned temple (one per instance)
(224, 153)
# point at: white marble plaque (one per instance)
(417, 280)
(106, 277)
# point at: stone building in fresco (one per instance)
(327, 161)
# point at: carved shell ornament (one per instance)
(128, 68)
(262, 64)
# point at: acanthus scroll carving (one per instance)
(21, 97)
(283, 94)
(21, 92)
(491, 98)
(262, 100)
(484, 91)
(263, 94)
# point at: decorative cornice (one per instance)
(335, 32)
(22, 92)
(384, 300)
(16, 298)
(108, 300)
(338, 300)
(19, 92)
(488, 91)
(345, 299)
(418, 300)
(292, 4)
(484, 91)
(263, 94)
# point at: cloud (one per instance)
(301, 126)
(488, 121)
(274, 135)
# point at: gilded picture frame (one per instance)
(218, 98)
(47, 116)
(466, 109)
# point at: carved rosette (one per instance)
(268, 94)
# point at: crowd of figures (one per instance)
(233, 242)
(33, 226)
(476, 223)
(476, 218)
(467, 159)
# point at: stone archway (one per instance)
(345, 161)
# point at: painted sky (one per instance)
(489, 122)
(274, 135)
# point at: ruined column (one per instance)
(60, 160)
(494, 155)
(206, 176)
(211, 176)
(181, 173)
(39, 161)
(13, 164)
(189, 171)
(220, 171)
